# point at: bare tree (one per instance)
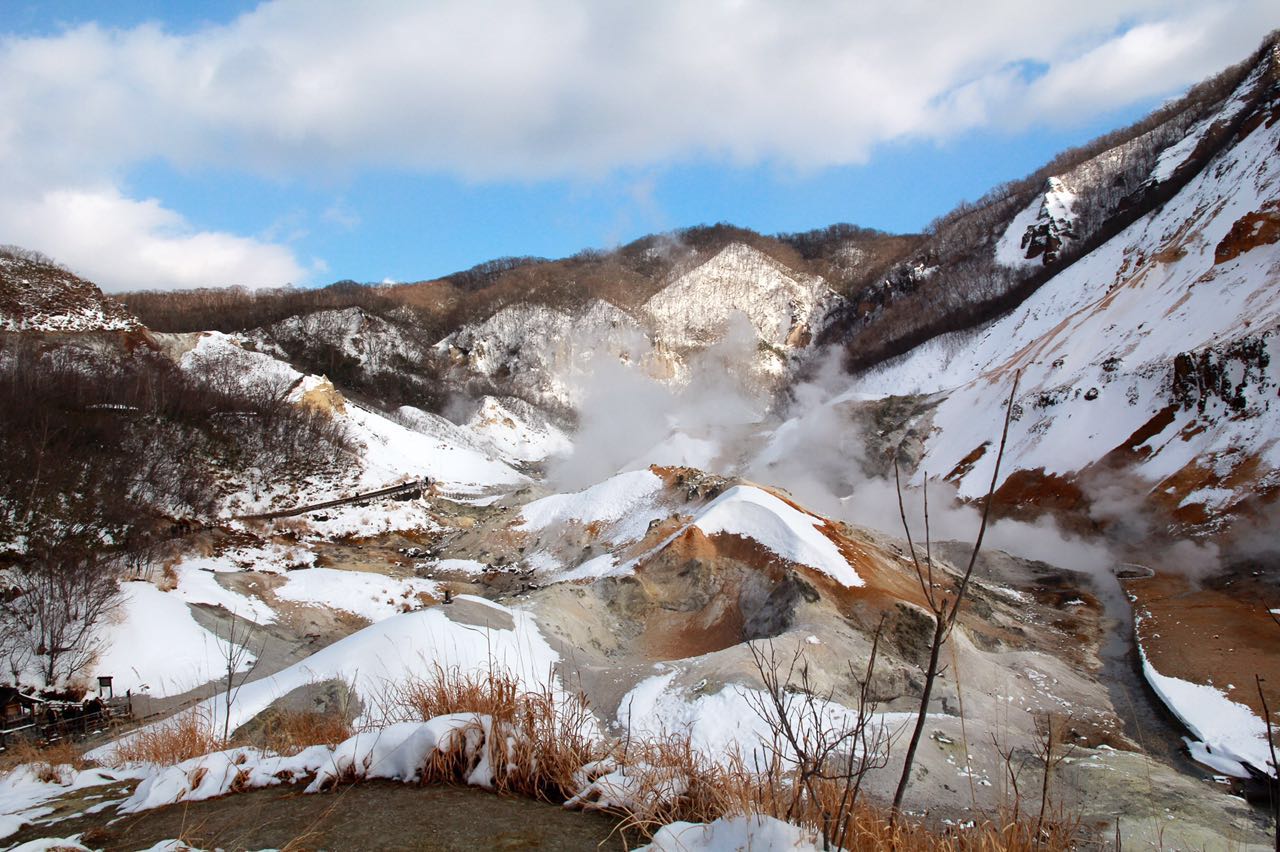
(54, 610)
(943, 603)
(818, 762)
(239, 661)
(1272, 785)
(1050, 752)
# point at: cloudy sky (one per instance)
(153, 144)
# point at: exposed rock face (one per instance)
(38, 295)
(1038, 233)
(542, 354)
(783, 307)
(369, 341)
(1249, 232)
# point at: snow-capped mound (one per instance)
(38, 295)
(784, 530)
(620, 515)
(626, 503)
(784, 307)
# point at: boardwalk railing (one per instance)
(408, 489)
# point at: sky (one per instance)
(163, 145)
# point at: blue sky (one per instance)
(153, 144)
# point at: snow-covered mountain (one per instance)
(784, 307)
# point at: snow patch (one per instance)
(373, 597)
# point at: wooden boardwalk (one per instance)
(407, 488)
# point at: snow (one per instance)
(1054, 207)
(47, 298)
(24, 797)
(1177, 153)
(627, 498)
(157, 647)
(603, 565)
(460, 566)
(371, 596)
(396, 752)
(543, 351)
(395, 453)
(1229, 731)
(51, 844)
(692, 311)
(398, 649)
(268, 558)
(515, 431)
(366, 520)
(786, 531)
(723, 722)
(733, 834)
(199, 585)
(392, 453)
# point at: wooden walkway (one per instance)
(406, 488)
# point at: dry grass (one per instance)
(289, 732)
(543, 738)
(544, 745)
(48, 761)
(168, 578)
(183, 737)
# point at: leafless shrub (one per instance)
(50, 761)
(820, 763)
(943, 603)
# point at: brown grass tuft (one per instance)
(183, 737)
(289, 732)
(49, 760)
(541, 739)
(539, 750)
(168, 578)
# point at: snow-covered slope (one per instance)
(542, 352)
(368, 340)
(618, 515)
(389, 451)
(1156, 351)
(546, 354)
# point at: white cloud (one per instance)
(535, 89)
(122, 244)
